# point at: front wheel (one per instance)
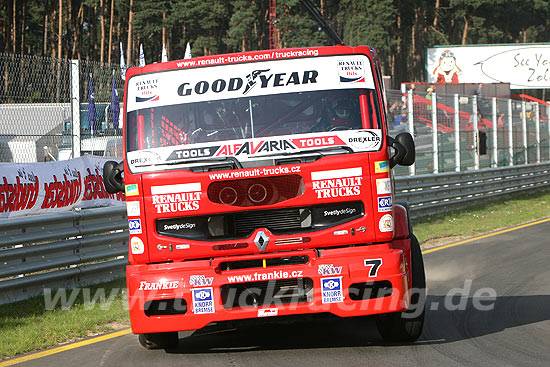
(159, 340)
(407, 326)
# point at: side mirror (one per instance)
(407, 141)
(112, 177)
(404, 150)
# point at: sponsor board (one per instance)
(386, 223)
(524, 66)
(143, 157)
(337, 183)
(255, 172)
(146, 89)
(200, 280)
(329, 269)
(274, 275)
(56, 186)
(133, 208)
(201, 152)
(366, 140)
(351, 70)
(178, 226)
(383, 186)
(176, 198)
(339, 212)
(262, 146)
(317, 141)
(156, 286)
(132, 190)
(331, 290)
(268, 312)
(385, 204)
(203, 300)
(134, 226)
(381, 166)
(136, 246)
(248, 79)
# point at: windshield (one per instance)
(252, 117)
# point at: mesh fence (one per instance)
(100, 133)
(37, 119)
(36, 116)
(506, 131)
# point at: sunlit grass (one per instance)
(28, 325)
(489, 216)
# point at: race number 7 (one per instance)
(374, 266)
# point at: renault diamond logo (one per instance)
(261, 241)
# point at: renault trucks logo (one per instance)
(236, 84)
(176, 198)
(351, 71)
(147, 90)
(337, 183)
(261, 240)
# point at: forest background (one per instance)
(400, 29)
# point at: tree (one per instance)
(399, 29)
(241, 35)
(149, 23)
(297, 28)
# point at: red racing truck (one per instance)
(259, 184)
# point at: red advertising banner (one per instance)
(45, 187)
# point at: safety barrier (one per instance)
(63, 250)
(433, 194)
(90, 246)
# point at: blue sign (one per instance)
(134, 225)
(385, 204)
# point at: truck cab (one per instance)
(258, 185)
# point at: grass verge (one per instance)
(27, 325)
(482, 218)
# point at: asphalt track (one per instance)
(515, 332)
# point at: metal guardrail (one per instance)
(62, 250)
(433, 194)
(81, 248)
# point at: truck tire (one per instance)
(159, 340)
(402, 326)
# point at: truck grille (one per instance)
(282, 220)
(271, 292)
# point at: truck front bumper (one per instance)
(350, 281)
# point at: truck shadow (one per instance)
(447, 320)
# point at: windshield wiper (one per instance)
(234, 161)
